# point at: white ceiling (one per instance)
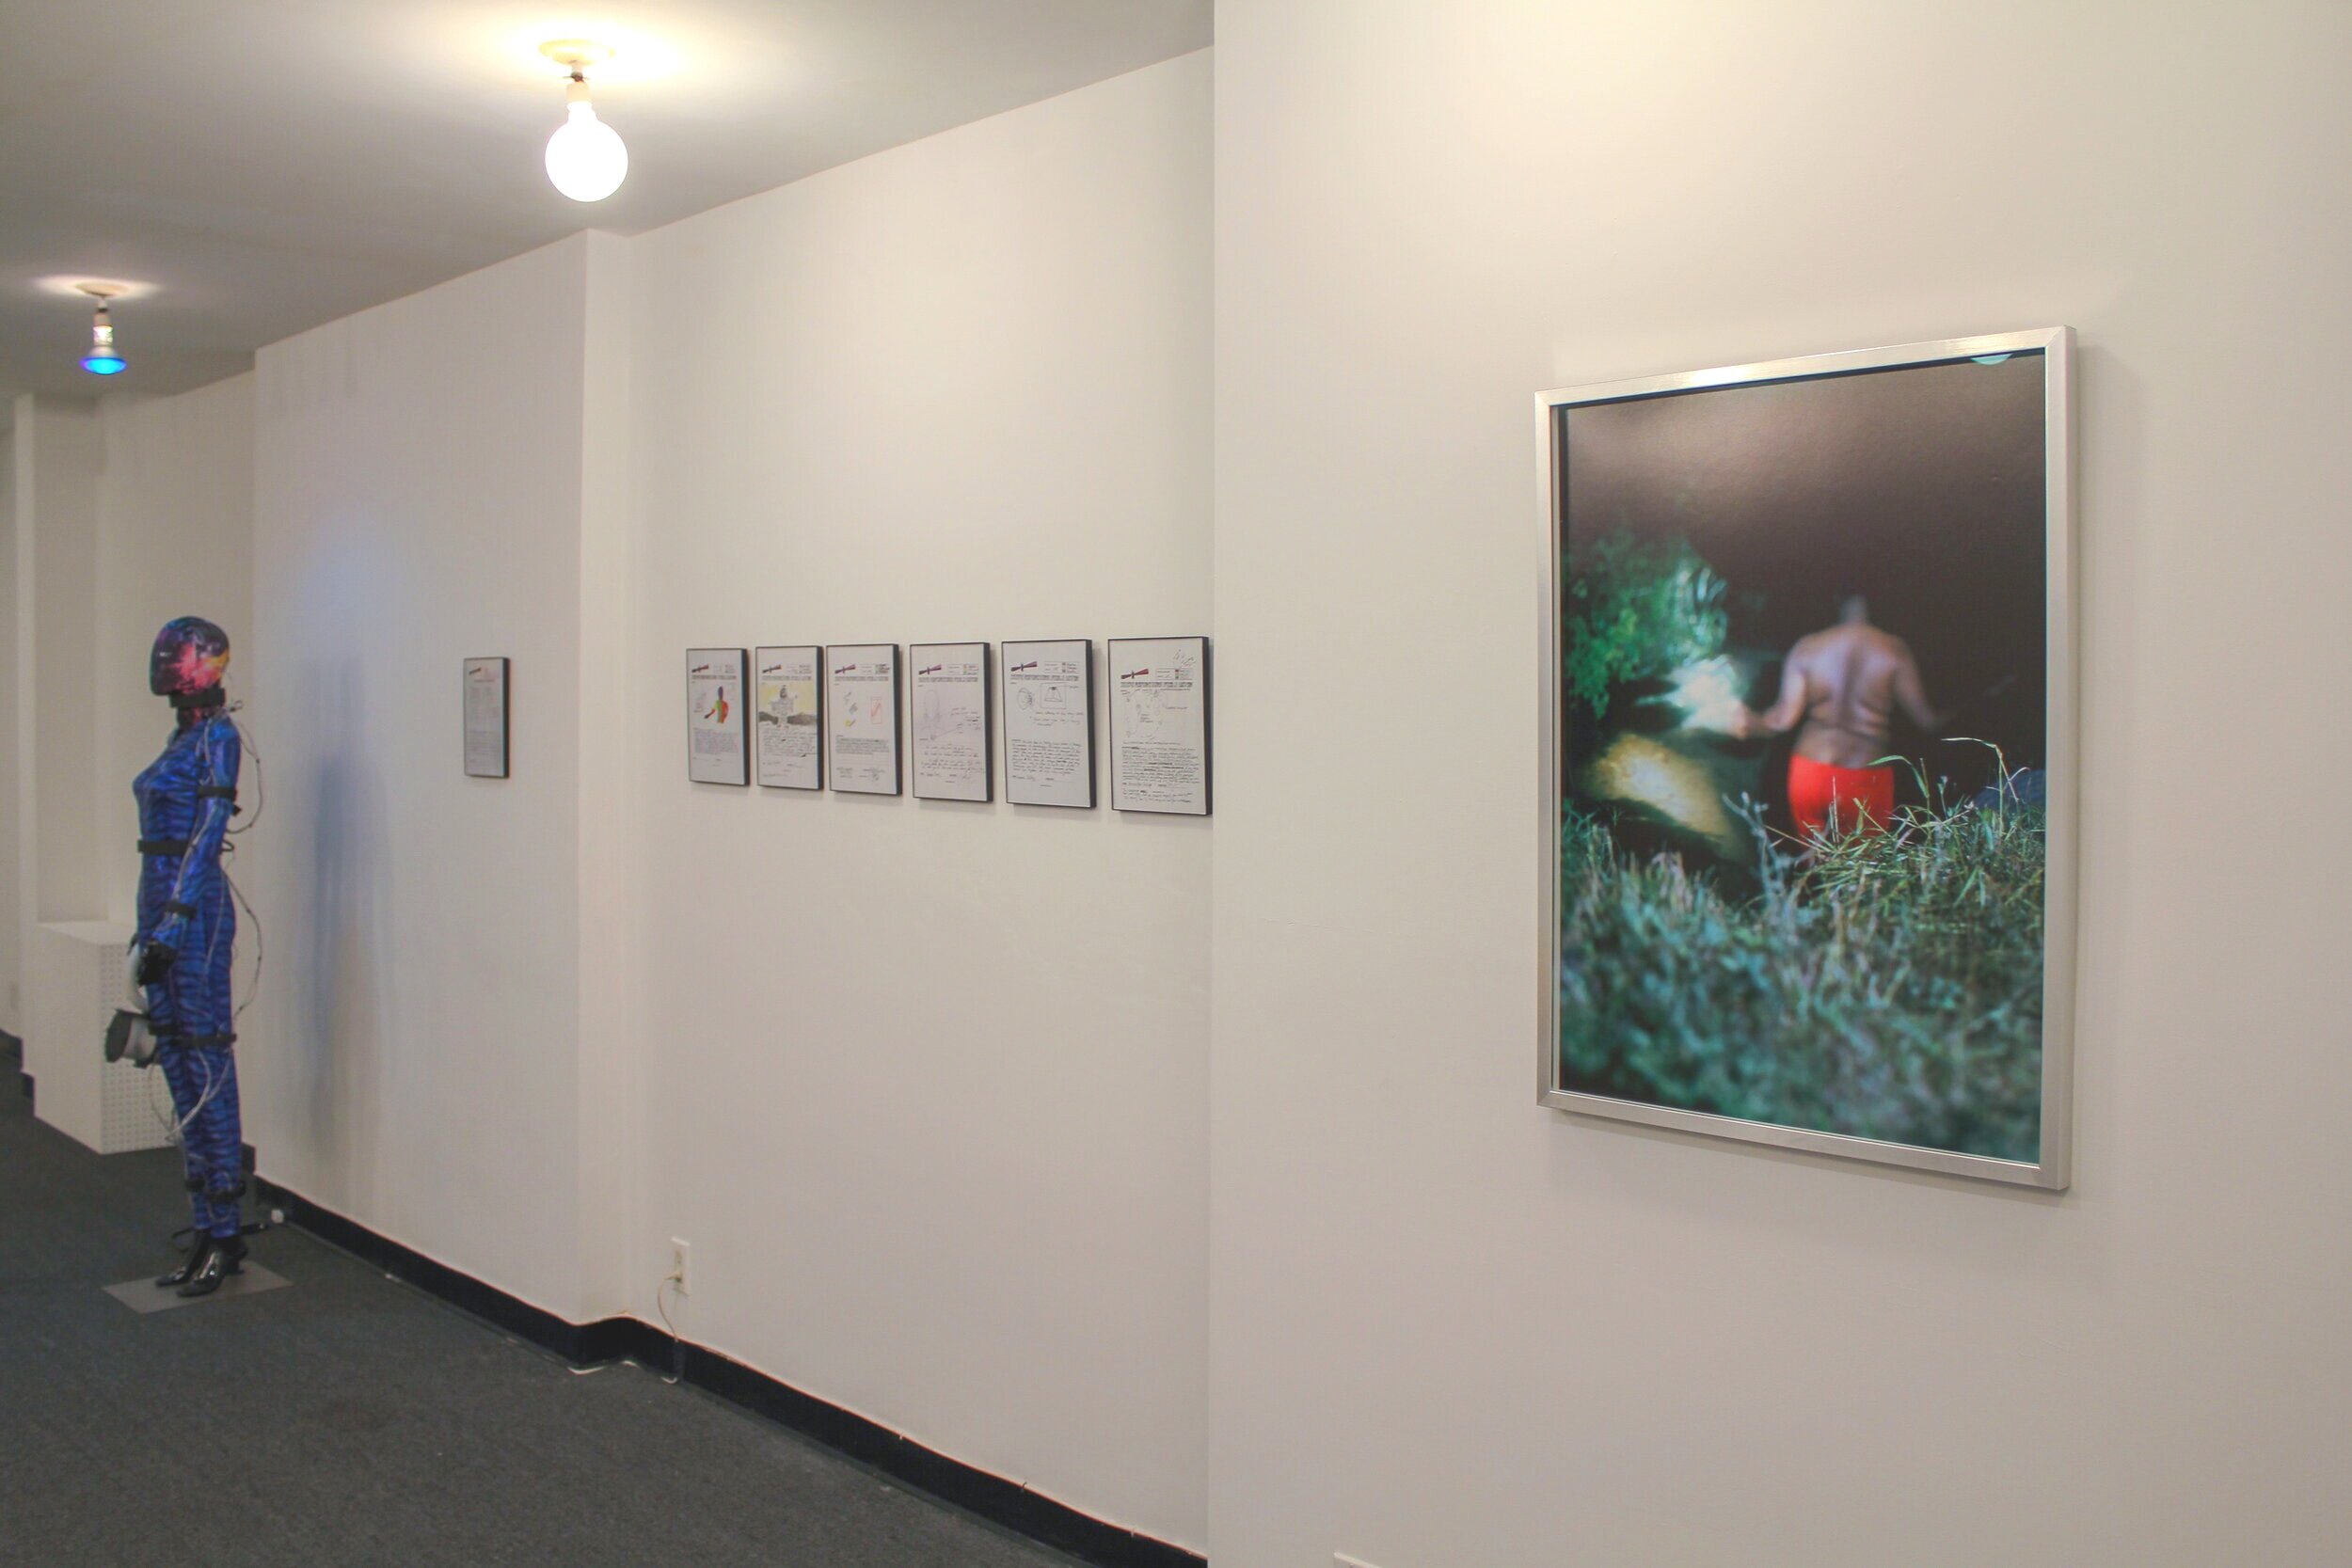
(270, 165)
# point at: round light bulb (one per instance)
(585, 156)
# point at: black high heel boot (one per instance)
(198, 1245)
(221, 1259)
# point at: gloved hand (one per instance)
(155, 961)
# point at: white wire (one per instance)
(174, 1126)
(167, 1120)
(246, 903)
(677, 1343)
(260, 784)
(213, 1086)
(176, 1131)
(261, 803)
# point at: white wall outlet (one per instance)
(679, 1253)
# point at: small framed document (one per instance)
(951, 722)
(862, 717)
(715, 708)
(1049, 722)
(485, 719)
(788, 717)
(1160, 725)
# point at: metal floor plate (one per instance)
(144, 1295)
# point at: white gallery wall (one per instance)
(923, 1086)
(926, 1083)
(1450, 1327)
(412, 1058)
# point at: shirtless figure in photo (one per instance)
(1843, 684)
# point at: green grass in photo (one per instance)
(1884, 986)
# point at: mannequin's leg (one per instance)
(215, 1141)
(221, 1131)
(188, 1079)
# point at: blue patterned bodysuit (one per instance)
(186, 798)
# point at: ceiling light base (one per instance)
(575, 54)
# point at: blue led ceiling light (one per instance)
(103, 359)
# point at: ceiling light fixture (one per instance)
(585, 157)
(103, 359)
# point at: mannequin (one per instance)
(187, 932)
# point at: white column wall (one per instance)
(55, 469)
(612, 1030)
(413, 1059)
(1452, 1328)
(53, 670)
(924, 1082)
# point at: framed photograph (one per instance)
(1808, 780)
(862, 717)
(486, 718)
(715, 708)
(1049, 722)
(788, 717)
(951, 722)
(1160, 725)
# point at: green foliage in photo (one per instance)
(1633, 611)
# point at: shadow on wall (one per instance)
(341, 931)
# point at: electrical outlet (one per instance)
(679, 1253)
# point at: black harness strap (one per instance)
(173, 1037)
(217, 792)
(162, 847)
(186, 911)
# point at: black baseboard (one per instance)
(1002, 1502)
(506, 1313)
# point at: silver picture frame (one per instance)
(2052, 1170)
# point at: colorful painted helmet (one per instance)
(191, 656)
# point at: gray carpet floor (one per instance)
(352, 1419)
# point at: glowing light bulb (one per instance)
(586, 158)
(103, 359)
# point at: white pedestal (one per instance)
(73, 983)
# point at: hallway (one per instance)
(352, 1420)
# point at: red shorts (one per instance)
(1860, 800)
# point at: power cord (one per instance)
(175, 1127)
(246, 903)
(260, 785)
(168, 1121)
(677, 1342)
